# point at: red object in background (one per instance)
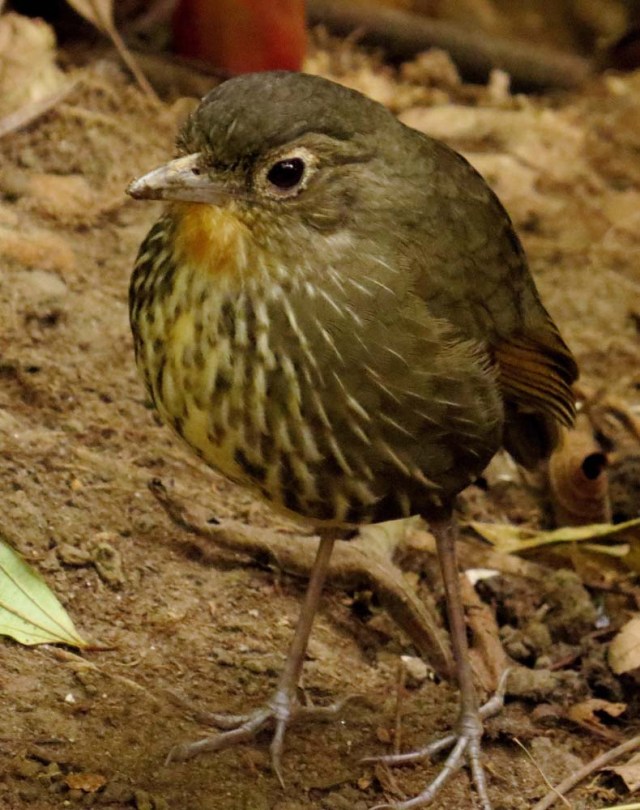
(242, 36)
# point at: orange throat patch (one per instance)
(211, 238)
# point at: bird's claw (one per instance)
(281, 711)
(466, 747)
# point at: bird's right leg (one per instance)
(465, 740)
(283, 708)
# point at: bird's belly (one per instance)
(238, 380)
(241, 421)
(205, 395)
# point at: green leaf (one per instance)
(29, 611)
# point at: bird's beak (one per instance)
(180, 180)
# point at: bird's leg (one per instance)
(283, 707)
(465, 740)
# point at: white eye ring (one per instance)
(287, 174)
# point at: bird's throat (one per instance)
(212, 239)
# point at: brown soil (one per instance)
(78, 446)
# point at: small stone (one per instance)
(26, 768)
(224, 657)
(53, 770)
(416, 670)
(264, 665)
(50, 774)
(49, 562)
(571, 613)
(73, 555)
(336, 801)
(142, 800)
(107, 560)
(116, 793)
(538, 636)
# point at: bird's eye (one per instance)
(286, 174)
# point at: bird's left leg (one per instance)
(283, 707)
(465, 740)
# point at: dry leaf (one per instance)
(100, 14)
(584, 713)
(87, 782)
(385, 538)
(624, 650)
(620, 550)
(578, 481)
(511, 539)
(629, 772)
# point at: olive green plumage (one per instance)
(355, 345)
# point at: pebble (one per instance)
(336, 801)
(107, 560)
(50, 774)
(142, 800)
(416, 670)
(116, 793)
(26, 768)
(73, 555)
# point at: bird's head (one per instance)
(287, 158)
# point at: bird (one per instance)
(334, 311)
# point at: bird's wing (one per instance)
(474, 274)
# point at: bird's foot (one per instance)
(281, 711)
(465, 743)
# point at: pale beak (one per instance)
(180, 180)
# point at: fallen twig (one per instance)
(595, 765)
(354, 564)
(536, 765)
(487, 654)
(401, 677)
(25, 115)
(403, 35)
(100, 14)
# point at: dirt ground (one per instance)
(78, 446)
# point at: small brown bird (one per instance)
(335, 312)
